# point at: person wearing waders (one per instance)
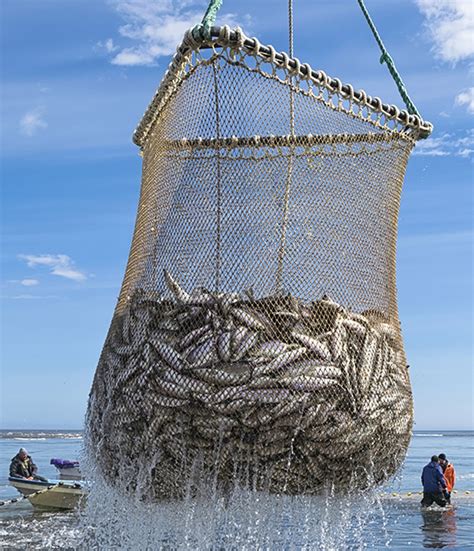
(434, 484)
(449, 475)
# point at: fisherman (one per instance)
(22, 466)
(449, 475)
(434, 484)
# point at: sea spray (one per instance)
(243, 519)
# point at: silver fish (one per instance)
(230, 393)
(229, 408)
(313, 344)
(202, 297)
(264, 382)
(271, 349)
(191, 383)
(315, 366)
(124, 349)
(388, 330)
(337, 340)
(307, 383)
(166, 402)
(257, 418)
(179, 293)
(280, 362)
(221, 378)
(194, 335)
(251, 320)
(238, 335)
(354, 327)
(297, 404)
(366, 362)
(203, 355)
(171, 389)
(245, 345)
(224, 346)
(126, 324)
(169, 355)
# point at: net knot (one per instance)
(190, 40)
(224, 35)
(239, 38)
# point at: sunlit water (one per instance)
(247, 520)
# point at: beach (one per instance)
(388, 518)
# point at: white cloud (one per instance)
(466, 98)
(108, 46)
(156, 28)
(60, 265)
(32, 121)
(450, 24)
(447, 145)
(29, 282)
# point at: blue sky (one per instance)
(77, 76)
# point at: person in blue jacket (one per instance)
(434, 484)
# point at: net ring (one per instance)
(323, 78)
(285, 61)
(240, 37)
(272, 51)
(297, 68)
(224, 35)
(306, 71)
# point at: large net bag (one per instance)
(256, 338)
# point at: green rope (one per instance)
(203, 30)
(385, 57)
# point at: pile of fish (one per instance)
(270, 392)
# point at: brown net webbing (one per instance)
(256, 338)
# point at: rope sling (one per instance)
(256, 341)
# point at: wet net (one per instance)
(256, 338)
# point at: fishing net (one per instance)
(256, 338)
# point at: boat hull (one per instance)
(47, 495)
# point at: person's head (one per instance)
(22, 454)
(442, 459)
(434, 459)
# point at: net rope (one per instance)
(256, 339)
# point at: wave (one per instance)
(40, 435)
(444, 434)
(19, 438)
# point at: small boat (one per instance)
(50, 495)
(68, 470)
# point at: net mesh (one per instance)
(256, 338)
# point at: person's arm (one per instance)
(14, 469)
(450, 476)
(440, 477)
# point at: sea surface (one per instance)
(378, 520)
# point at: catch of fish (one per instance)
(272, 392)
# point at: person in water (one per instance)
(434, 484)
(449, 475)
(22, 466)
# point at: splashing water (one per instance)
(242, 519)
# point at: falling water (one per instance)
(239, 519)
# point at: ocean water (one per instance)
(377, 520)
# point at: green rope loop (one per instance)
(203, 29)
(386, 58)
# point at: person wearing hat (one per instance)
(449, 475)
(434, 484)
(22, 466)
